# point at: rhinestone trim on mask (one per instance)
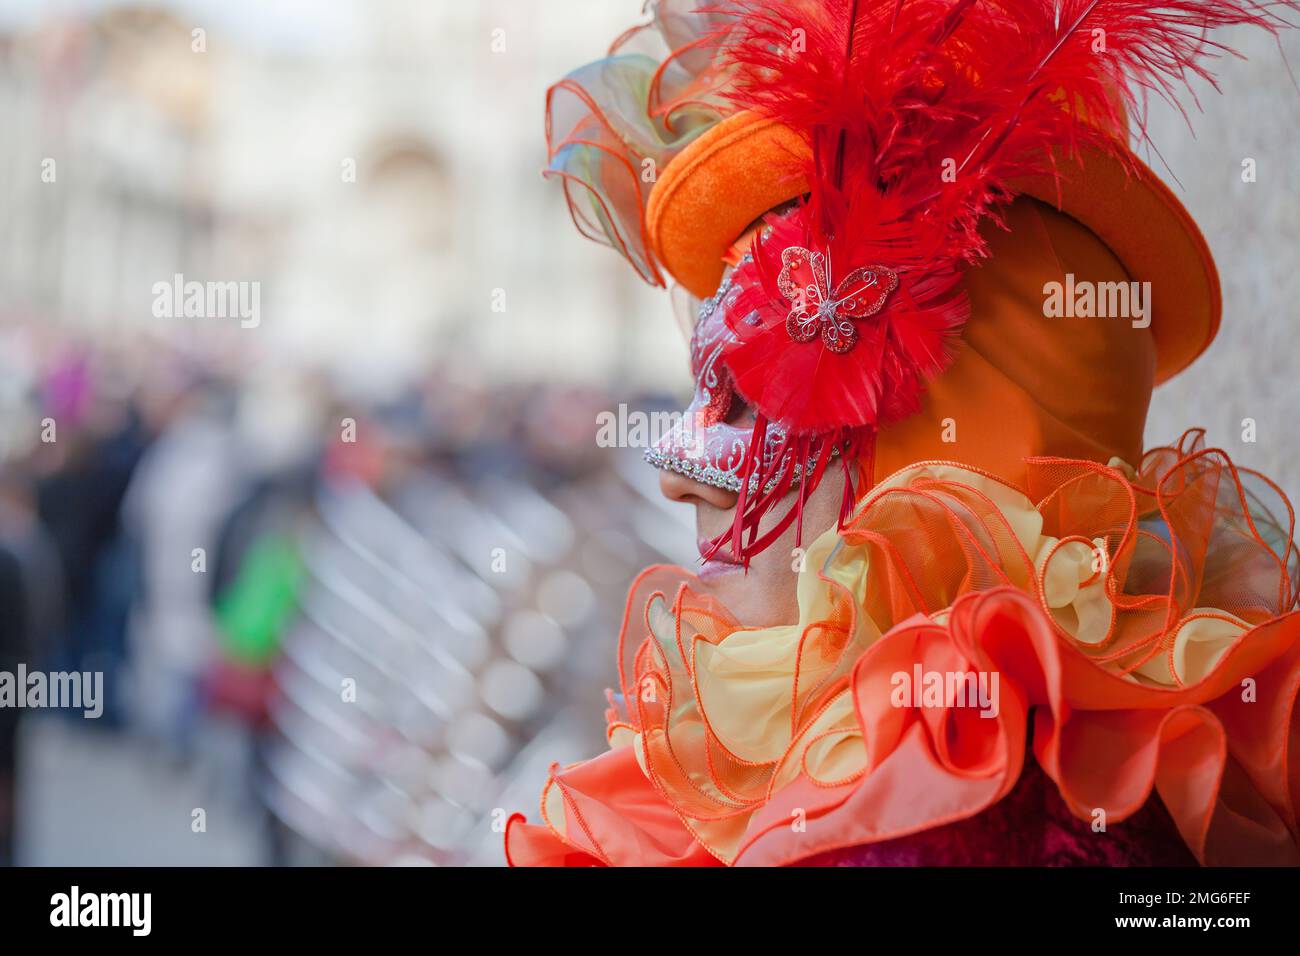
(710, 475)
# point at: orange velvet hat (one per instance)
(726, 179)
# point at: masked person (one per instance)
(948, 610)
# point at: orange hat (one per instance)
(903, 131)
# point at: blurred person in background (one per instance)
(185, 484)
(905, 467)
(13, 608)
(31, 606)
(81, 481)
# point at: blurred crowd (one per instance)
(399, 608)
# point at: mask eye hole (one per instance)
(739, 412)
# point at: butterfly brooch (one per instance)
(805, 279)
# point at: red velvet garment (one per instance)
(1030, 827)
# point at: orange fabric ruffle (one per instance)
(1139, 619)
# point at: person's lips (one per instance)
(721, 562)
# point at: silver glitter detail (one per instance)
(710, 475)
(708, 306)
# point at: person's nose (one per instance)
(676, 487)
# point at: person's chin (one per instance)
(742, 593)
(728, 583)
(752, 596)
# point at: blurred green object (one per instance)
(254, 610)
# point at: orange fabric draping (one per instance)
(1139, 620)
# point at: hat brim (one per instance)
(746, 165)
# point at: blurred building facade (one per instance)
(374, 166)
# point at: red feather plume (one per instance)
(807, 387)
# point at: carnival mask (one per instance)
(711, 441)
